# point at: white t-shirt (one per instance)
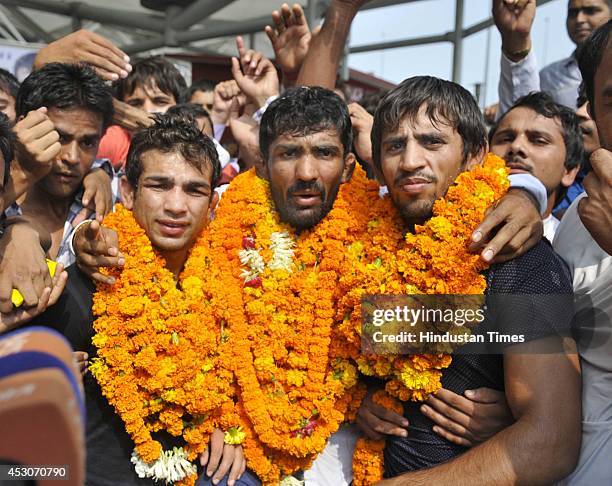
(591, 268)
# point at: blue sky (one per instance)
(428, 17)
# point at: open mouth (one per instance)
(306, 199)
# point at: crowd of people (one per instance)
(209, 290)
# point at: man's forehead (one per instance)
(576, 4)
(72, 120)
(329, 135)
(150, 89)
(528, 119)
(604, 69)
(172, 165)
(422, 121)
(203, 96)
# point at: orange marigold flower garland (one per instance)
(276, 298)
(368, 458)
(432, 260)
(161, 354)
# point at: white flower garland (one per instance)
(171, 466)
(281, 245)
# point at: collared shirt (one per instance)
(64, 255)
(560, 79)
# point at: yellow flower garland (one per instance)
(432, 260)
(276, 294)
(160, 352)
(288, 308)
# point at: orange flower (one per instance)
(293, 392)
(432, 260)
(160, 352)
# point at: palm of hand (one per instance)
(292, 46)
(265, 84)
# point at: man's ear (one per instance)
(569, 176)
(477, 158)
(349, 167)
(214, 200)
(127, 192)
(590, 110)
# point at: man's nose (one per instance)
(412, 157)
(306, 168)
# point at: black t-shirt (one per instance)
(538, 271)
(109, 446)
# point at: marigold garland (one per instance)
(433, 260)
(275, 293)
(368, 458)
(288, 307)
(160, 352)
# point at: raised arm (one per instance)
(519, 71)
(290, 40)
(321, 63)
(36, 146)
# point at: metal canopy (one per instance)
(187, 27)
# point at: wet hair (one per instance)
(7, 140)
(65, 86)
(446, 103)
(200, 85)
(590, 55)
(192, 111)
(155, 69)
(304, 110)
(543, 104)
(172, 133)
(8, 83)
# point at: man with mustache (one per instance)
(425, 132)
(540, 137)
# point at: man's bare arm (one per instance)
(542, 446)
(326, 48)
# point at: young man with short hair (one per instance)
(168, 186)
(153, 85)
(202, 92)
(426, 132)
(79, 107)
(541, 137)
